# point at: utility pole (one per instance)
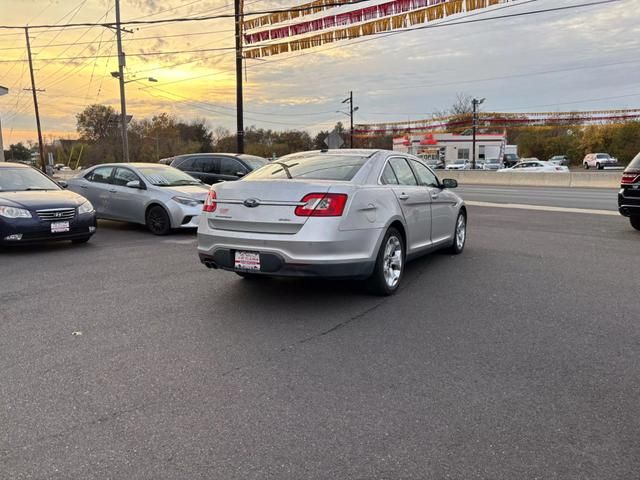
(35, 102)
(351, 110)
(3, 91)
(239, 7)
(123, 102)
(475, 103)
(351, 119)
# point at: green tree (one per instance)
(97, 122)
(18, 151)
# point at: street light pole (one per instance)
(123, 103)
(475, 103)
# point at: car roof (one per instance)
(13, 165)
(132, 164)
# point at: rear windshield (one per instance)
(314, 167)
(635, 163)
(602, 155)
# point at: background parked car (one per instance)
(510, 159)
(459, 165)
(535, 166)
(629, 195)
(599, 161)
(492, 164)
(217, 167)
(560, 160)
(34, 208)
(155, 195)
(436, 164)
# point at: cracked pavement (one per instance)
(502, 363)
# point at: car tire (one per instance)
(389, 268)
(157, 220)
(599, 167)
(586, 166)
(459, 235)
(635, 221)
(81, 240)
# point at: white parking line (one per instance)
(543, 208)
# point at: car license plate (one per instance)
(247, 261)
(59, 227)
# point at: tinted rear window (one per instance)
(602, 155)
(313, 167)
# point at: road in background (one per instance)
(589, 198)
(517, 359)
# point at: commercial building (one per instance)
(451, 147)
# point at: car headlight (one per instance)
(13, 212)
(189, 202)
(86, 207)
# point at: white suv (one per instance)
(599, 161)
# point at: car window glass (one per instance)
(230, 166)
(388, 177)
(187, 165)
(100, 175)
(635, 163)
(208, 165)
(403, 171)
(124, 176)
(425, 176)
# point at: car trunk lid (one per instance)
(262, 206)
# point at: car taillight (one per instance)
(628, 178)
(322, 205)
(210, 202)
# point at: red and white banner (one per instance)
(435, 10)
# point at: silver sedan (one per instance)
(340, 213)
(158, 196)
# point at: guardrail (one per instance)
(571, 179)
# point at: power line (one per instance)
(134, 39)
(195, 18)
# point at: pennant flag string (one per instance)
(440, 9)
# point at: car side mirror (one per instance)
(240, 174)
(63, 184)
(449, 183)
(134, 184)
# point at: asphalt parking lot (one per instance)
(517, 360)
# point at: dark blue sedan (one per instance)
(34, 208)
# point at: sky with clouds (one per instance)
(579, 59)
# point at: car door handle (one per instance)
(435, 196)
(83, 186)
(403, 196)
(112, 191)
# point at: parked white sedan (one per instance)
(535, 166)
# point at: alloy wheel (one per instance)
(461, 231)
(392, 261)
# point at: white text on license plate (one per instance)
(247, 261)
(59, 227)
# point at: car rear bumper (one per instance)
(273, 264)
(34, 230)
(332, 253)
(628, 204)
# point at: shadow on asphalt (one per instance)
(311, 289)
